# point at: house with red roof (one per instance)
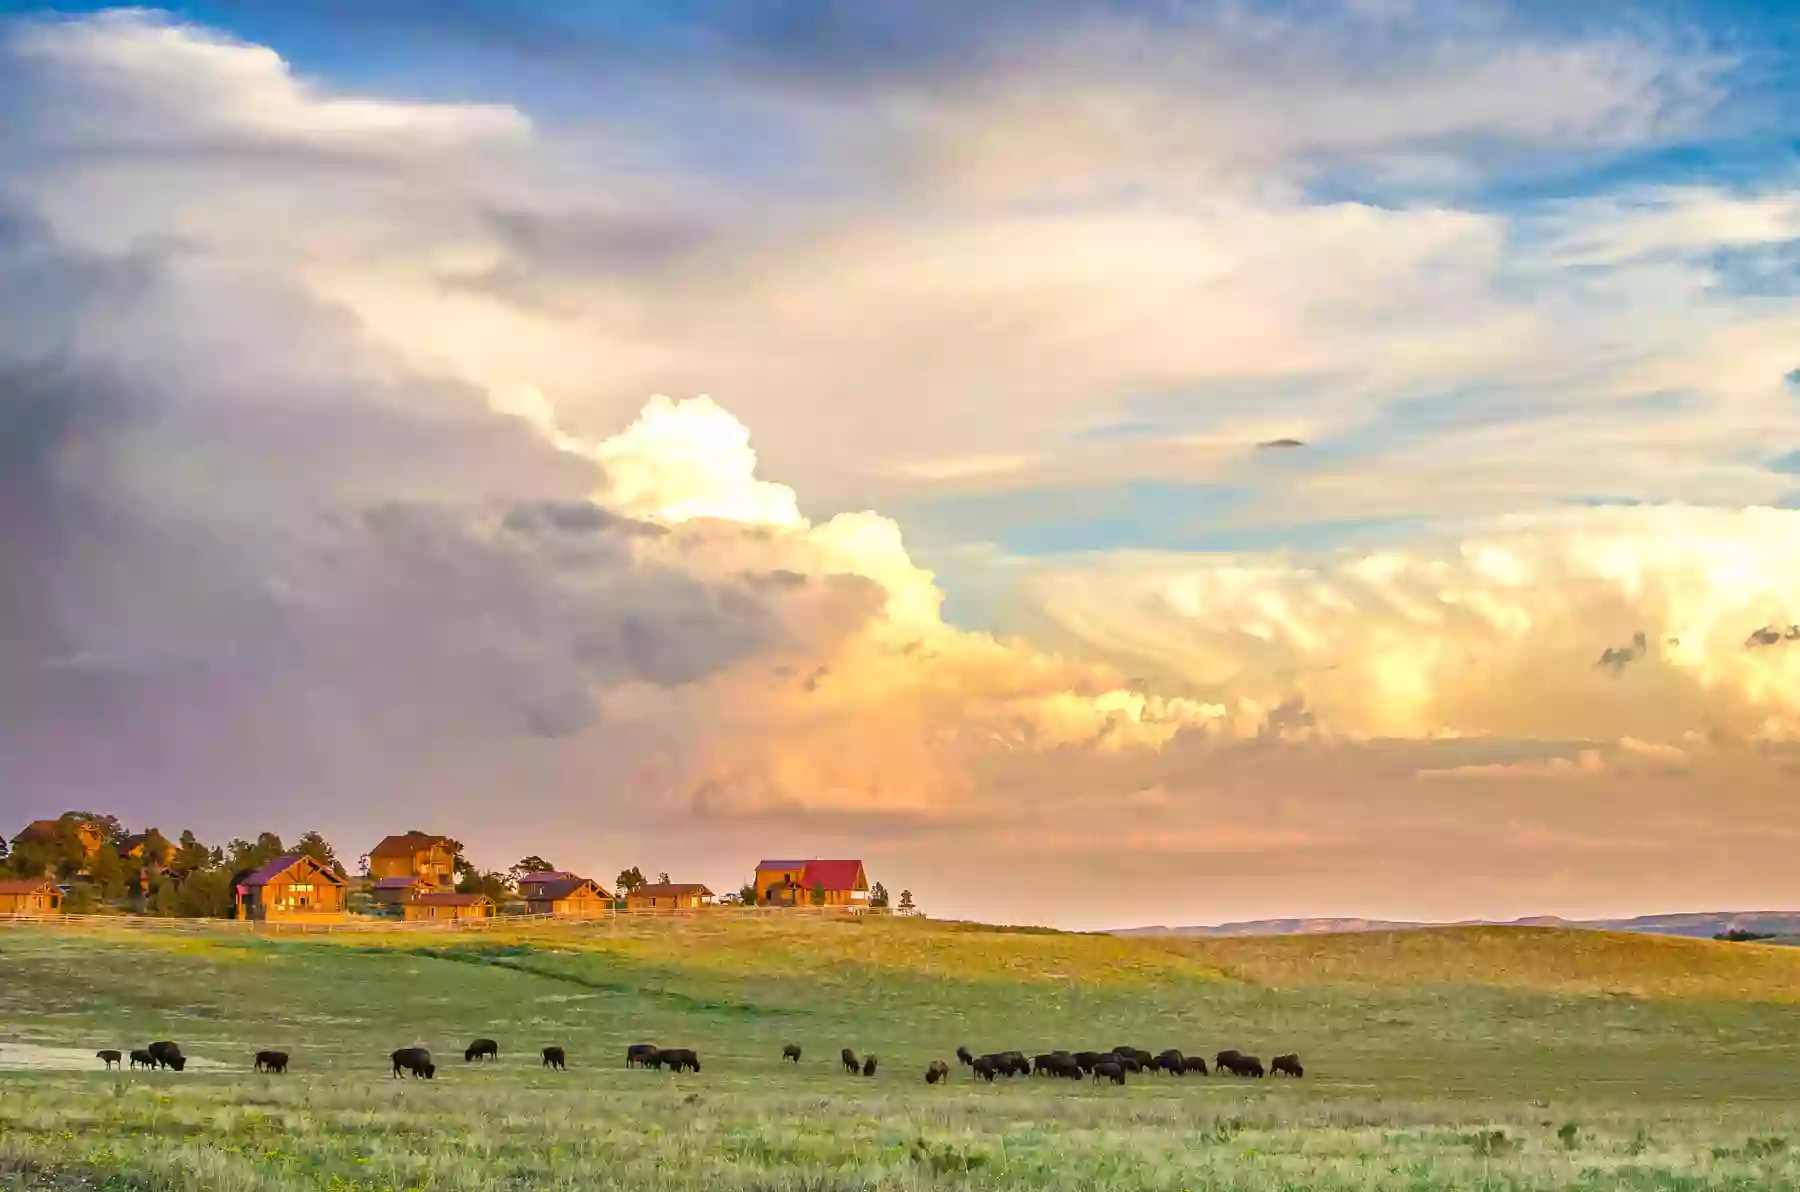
(792, 883)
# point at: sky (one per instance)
(1101, 462)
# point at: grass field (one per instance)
(1456, 1059)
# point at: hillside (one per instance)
(1697, 924)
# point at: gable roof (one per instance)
(670, 890)
(833, 875)
(452, 899)
(558, 890)
(762, 865)
(407, 844)
(37, 832)
(27, 885)
(538, 877)
(280, 865)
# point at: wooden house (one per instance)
(43, 832)
(791, 883)
(418, 855)
(398, 891)
(570, 897)
(444, 905)
(669, 896)
(533, 885)
(291, 888)
(29, 896)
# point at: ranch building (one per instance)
(669, 896)
(291, 888)
(791, 883)
(439, 905)
(43, 832)
(567, 897)
(420, 855)
(398, 891)
(29, 896)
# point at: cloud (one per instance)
(1771, 635)
(1617, 658)
(1586, 763)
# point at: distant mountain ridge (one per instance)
(1698, 924)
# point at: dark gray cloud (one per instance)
(1772, 635)
(1617, 658)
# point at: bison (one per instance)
(1287, 1065)
(554, 1057)
(791, 1052)
(869, 1066)
(413, 1060)
(1014, 1063)
(986, 1067)
(1060, 1064)
(1170, 1061)
(1111, 1070)
(937, 1072)
(964, 1057)
(640, 1055)
(1194, 1064)
(1226, 1058)
(481, 1049)
(109, 1058)
(1087, 1059)
(271, 1061)
(852, 1065)
(678, 1059)
(141, 1058)
(1239, 1064)
(168, 1055)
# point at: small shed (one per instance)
(291, 888)
(449, 906)
(570, 898)
(29, 896)
(669, 896)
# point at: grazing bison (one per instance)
(1087, 1059)
(1063, 1065)
(1016, 1063)
(986, 1067)
(869, 1066)
(852, 1065)
(109, 1057)
(1226, 1058)
(1287, 1065)
(640, 1055)
(1170, 1061)
(413, 1060)
(1239, 1064)
(964, 1058)
(141, 1058)
(481, 1049)
(677, 1059)
(938, 1071)
(1111, 1070)
(271, 1061)
(1194, 1064)
(1127, 1062)
(554, 1057)
(791, 1052)
(168, 1055)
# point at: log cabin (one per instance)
(431, 859)
(791, 883)
(669, 896)
(569, 897)
(29, 896)
(291, 888)
(445, 905)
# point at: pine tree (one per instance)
(818, 894)
(878, 895)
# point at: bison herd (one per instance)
(1113, 1065)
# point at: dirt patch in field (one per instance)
(30, 1057)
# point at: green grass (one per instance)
(1459, 1059)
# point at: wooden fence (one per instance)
(366, 923)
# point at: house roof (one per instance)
(671, 889)
(539, 876)
(552, 891)
(27, 885)
(452, 899)
(280, 865)
(396, 883)
(762, 865)
(833, 875)
(406, 845)
(139, 840)
(37, 832)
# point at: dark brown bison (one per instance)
(555, 1057)
(791, 1052)
(271, 1061)
(964, 1057)
(1015, 1063)
(481, 1049)
(869, 1066)
(141, 1058)
(1287, 1065)
(1225, 1058)
(1127, 1062)
(640, 1055)
(1111, 1070)
(1144, 1059)
(1170, 1061)
(852, 1065)
(1064, 1066)
(1087, 1059)
(678, 1059)
(168, 1055)
(986, 1067)
(1194, 1064)
(1242, 1065)
(415, 1061)
(109, 1058)
(938, 1071)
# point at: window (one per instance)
(301, 887)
